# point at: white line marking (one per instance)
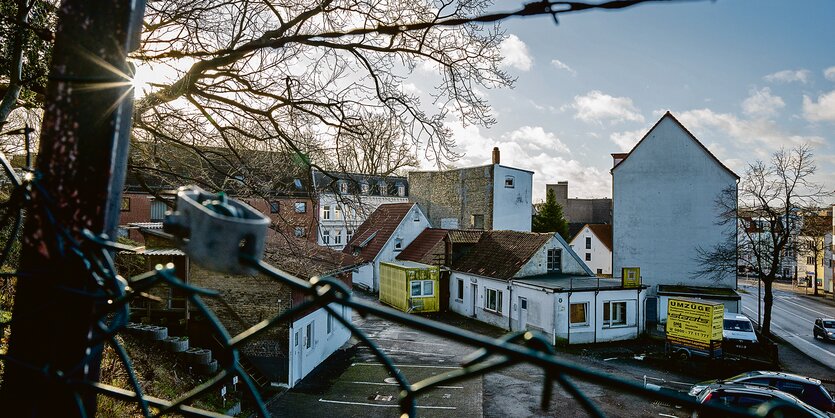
(817, 312)
(406, 365)
(667, 415)
(395, 384)
(384, 405)
(798, 337)
(410, 342)
(610, 358)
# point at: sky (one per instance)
(745, 77)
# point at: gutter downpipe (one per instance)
(510, 304)
(596, 291)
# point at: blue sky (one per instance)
(746, 77)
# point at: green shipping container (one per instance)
(410, 286)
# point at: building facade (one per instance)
(593, 243)
(581, 211)
(490, 197)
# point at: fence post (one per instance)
(81, 163)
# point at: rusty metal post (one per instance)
(81, 164)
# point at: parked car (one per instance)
(737, 333)
(807, 389)
(744, 396)
(824, 328)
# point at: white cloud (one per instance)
(762, 103)
(411, 88)
(536, 137)
(829, 73)
(789, 76)
(563, 66)
(626, 140)
(823, 110)
(515, 53)
(759, 135)
(598, 107)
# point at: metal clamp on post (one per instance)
(215, 230)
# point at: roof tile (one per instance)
(501, 254)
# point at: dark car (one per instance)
(752, 397)
(807, 389)
(824, 328)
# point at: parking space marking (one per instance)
(395, 384)
(407, 365)
(384, 405)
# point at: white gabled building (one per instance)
(534, 281)
(593, 243)
(664, 209)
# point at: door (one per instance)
(474, 293)
(297, 356)
(523, 313)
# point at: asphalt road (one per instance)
(792, 318)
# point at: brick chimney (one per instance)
(496, 159)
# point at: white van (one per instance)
(737, 332)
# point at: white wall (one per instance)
(465, 305)
(302, 359)
(410, 227)
(364, 276)
(594, 330)
(601, 256)
(354, 210)
(512, 206)
(538, 264)
(827, 263)
(664, 209)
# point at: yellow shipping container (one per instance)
(410, 286)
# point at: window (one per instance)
(330, 323)
(300, 207)
(460, 289)
(588, 243)
(599, 271)
(299, 232)
(588, 256)
(477, 221)
(579, 314)
(343, 187)
(422, 288)
(381, 186)
(554, 260)
(508, 182)
(326, 212)
(401, 189)
(810, 260)
(125, 205)
(274, 206)
(493, 301)
(398, 244)
(326, 237)
(308, 336)
(614, 314)
(349, 235)
(158, 208)
(337, 212)
(364, 187)
(337, 237)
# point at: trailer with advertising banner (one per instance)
(694, 328)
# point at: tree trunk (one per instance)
(16, 68)
(81, 162)
(768, 300)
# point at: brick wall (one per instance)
(455, 194)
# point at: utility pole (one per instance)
(80, 169)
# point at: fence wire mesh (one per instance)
(114, 294)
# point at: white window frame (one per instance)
(349, 235)
(401, 190)
(588, 243)
(364, 187)
(343, 187)
(588, 256)
(496, 295)
(326, 212)
(585, 312)
(337, 237)
(422, 293)
(299, 232)
(382, 187)
(398, 244)
(460, 289)
(326, 237)
(550, 262)
(509, 182)
(300, 207)
(610, 322)
(337, 212)
(330, 323)
(309, 341)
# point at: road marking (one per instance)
(802, 339)
(410, 342)
(384, 405)
(667, 415)
(406, 365)
(819, 313)
(395, 384)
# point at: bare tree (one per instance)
(766, 208)
(379, 149)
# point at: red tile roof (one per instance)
(693, 137)
(428, 248)
(603, 232)
(501, 254)
(375, 232)
(465, 236)
(303, 258)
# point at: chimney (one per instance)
(495, 155)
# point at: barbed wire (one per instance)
(113, 295)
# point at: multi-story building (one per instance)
(345, 200)
(663, 212)
(489, 197)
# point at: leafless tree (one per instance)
(379, 149)
(767, 209)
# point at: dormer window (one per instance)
(401, 189)
(364, 187)
(509, 182)
(381, 185)
(343, 187)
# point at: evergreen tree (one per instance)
(549, 217)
